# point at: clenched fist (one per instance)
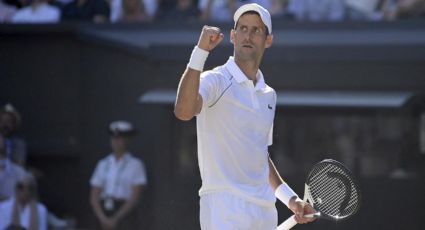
(210, 38)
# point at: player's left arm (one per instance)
(285, 194)
(274, 177)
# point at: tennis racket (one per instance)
(331, 189)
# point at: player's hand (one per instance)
(210, 38)
(301, 208)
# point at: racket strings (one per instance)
(332, 190)
(328, 197)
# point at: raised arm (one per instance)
(188, 101)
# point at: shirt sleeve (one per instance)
(96, 179)
(139, 174)
(270, 142)
(209, 88)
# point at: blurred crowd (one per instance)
(116, 11)
(117, 182)
(20, 207)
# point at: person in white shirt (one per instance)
(10, 173)
(38, 12)
(23, 210)
(235, 111)
(117, 182)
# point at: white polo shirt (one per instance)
(117, 178)
(234, 131)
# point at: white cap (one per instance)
(121, 128)
(264, 14)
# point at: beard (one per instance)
(246, 55)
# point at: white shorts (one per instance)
(225, 211)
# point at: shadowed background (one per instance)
(349, 91)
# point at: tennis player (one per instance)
(235, 110)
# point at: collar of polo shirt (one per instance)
(240, 77)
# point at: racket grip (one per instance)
(288, 224)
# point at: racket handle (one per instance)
(288, 224)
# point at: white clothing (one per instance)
(225, 211)
(6, 215)
(234, 130)
(11, 174)
(41, 13)
(151, 7)
(117, 178)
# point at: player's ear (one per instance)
(269, 40)
(232, 36)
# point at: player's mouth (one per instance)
(247, 46)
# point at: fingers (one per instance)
(299, 213)
(211, 29)
(210, 37)
(213, 34)
(216, 39)
(303, 209)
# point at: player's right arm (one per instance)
(189, 101)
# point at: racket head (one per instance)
(332, 190)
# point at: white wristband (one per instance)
(197, 59)
(284, 193)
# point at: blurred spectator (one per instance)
(23, 210)
(217, 10)
(10, 121)
(117, 9)
(403, 9)
(39, 11)
(117, 182)
(279, 10)
(182, 10)
(366, 9)
(385, 9)
(223, 10)
(96, 11)
(134, 11)
(10, 173)
(317, 10)
(6, 12)
(278, 7)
